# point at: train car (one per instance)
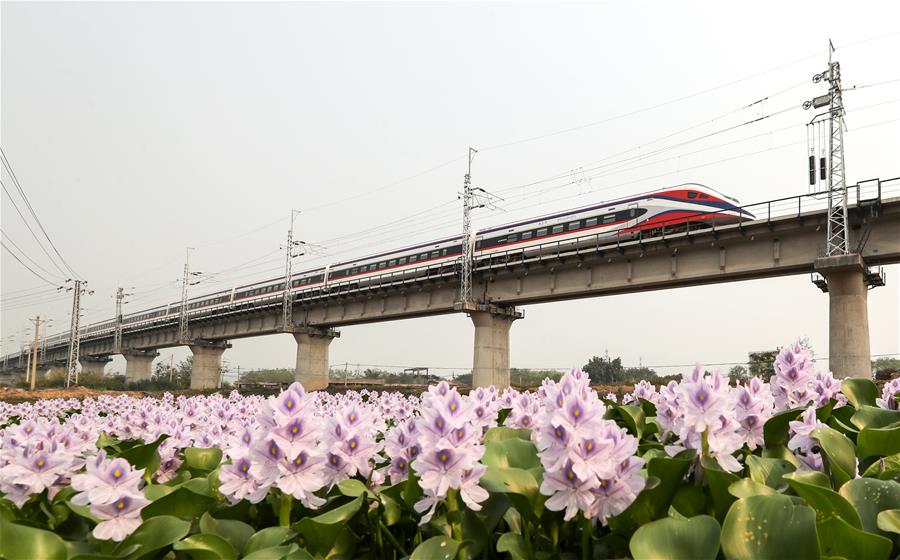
(668, 210)
(425, 256)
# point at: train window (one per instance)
(609, 218)
(574, 225)
(444, 252)
(512, 238)
(526, 235)
(423, 256)
(692, 194)
(557, 229)
(392, 262)
(632, 212)
(413, 258)
(353, 270)
(382, 264)
(500, 241)
(401, 261)
(435, 254)
(541, 232)
(590, 222)
(704, 195)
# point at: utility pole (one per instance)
(7, 343)
(34, 353)
(837, 238)
(80, 287)
(287, 320)
(117, 339)
(185, 282)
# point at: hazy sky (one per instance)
(137, 129)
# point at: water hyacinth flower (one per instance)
(106, 480)
(802, 444)
(589, 463)
(32, 471)
(703, 400)
(450, 439)
(349, 442)
(890, 395)
(239, 481)
(753, 407)
(794, 372)
(118, 518)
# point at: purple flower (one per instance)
(889, 395)
(119, 518)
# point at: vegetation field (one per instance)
(800, 465)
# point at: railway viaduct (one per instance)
(787, 238)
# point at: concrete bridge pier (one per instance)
(491, 359)
(207, 364)
(312, 356)
(848, 315)
(138, 364)
(93, 364)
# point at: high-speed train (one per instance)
(664, 211)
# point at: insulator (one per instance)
(822, 168)
(812, 170)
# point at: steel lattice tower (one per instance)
(74, 335)
(465, 280)
(838, 235)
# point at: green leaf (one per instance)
(874, 417)
(267, 538)
(353, 488)
(325, 532)
(392, 510)
(776, 428)
(690, 500)
(781, 452)
(838, 538)
(202, 458)
(879, 441)
(514, 544)
(719, 481)
(768, 471)
(237, 533)
(633, 418)
(746, 487)
(21, 542)
(520, 485)
(696, 538)
(511, 453)
(886, 468)
(653, 503)
(501, 432)
(769, 527)
(83, 511)
(144, 456)
(436, 548)
(824, 500)
(289, 551)
(838, 452)
(340, 514)
(870, 497)
(206, 547)
(180, 503)
(889, 521)
(157, 533)
(859, 391)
